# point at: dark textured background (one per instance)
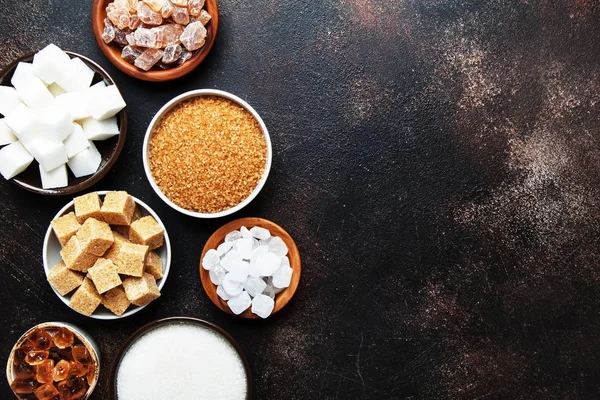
(437, 163)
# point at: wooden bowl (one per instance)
(283, 297)
(113, 51)
(109, 149)
(177, 320)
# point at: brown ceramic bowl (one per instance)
(109, 149)
(79, 334)
(113, 51)
(283, 297)
(177, 320)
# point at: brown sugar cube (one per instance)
(95, 236)
(131, 259)
(75, 256)
(141, 291)
(154, 265)
(116, 300)
(136, 214)
(65, 227)
(122, 230)
(63, 279)
(86, 299)
(118, 208)
(104, 275)
(147, 231)
(87, 206)
(113, 251)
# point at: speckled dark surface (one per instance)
(437, 163)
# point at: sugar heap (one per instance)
(181, 361)
(249, 269)
(52, 114)
(156, 32)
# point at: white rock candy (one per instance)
(224, 247)
(254, 286)
(230, 259)
(282, 277)
(262, 305)
(277, 246)
(243, 247)
(231, 287)
(233, 236)
(239, 303)
(268, 263)
(211, 260)
(260, 233)
(217, 274)
(240, 271)
(245, 233)
(222, 293)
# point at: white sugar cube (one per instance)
(105, 102)
(99, 84)
(24, 124)
(76, 103)
(56, 90)
(56, 178)
(14, 159)
(76, 76)
(245, 233)
(277, 246)
(55, 122)
(30, 88)
(9, 100)
(230, 259)
(262, 305)
(6, 134)
(211, 259)
(85, 162)
(217, 274)
(49, 63)
(77, 141)
(260, 233)
(268, 263)
(224, 247)
(282, 277)
(100, 130)
(254, 286)
(222, 293)
(244, 247)
(239, 303)
(48, 153)
(230, 286)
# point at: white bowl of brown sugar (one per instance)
(207, 153)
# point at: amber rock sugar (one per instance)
(207, 154)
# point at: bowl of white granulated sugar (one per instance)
(181, 358)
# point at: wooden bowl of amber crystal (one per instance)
(52, 360)
(112, 51)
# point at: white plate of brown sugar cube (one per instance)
(107, 254)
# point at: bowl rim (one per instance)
(50, 235)
(123, 124)
(173, 103)
(293, 255)
(82, 335)
(179, 320)
(99, 9)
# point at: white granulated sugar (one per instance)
(181, 362)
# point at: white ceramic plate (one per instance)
(168, 107)
(52, 247)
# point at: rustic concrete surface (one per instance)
(437, 163)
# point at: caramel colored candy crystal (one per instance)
(130, 53)
(193, 36)
(41, 339)
(81, 354)
(77, 369)
(36, 357)
(168, 35)
(44, 371)
(23, 386)
(46, 392)
(72, 388)
(61, 371)
(148, 58)
(148, 15)
(23, 370)
(63, 338)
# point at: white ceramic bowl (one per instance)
(52, 247)
(170, 105)
(79, 333)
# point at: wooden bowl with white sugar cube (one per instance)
(64, 122)
(250, 268)
(149, 17)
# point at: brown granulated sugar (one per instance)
(207, 154)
